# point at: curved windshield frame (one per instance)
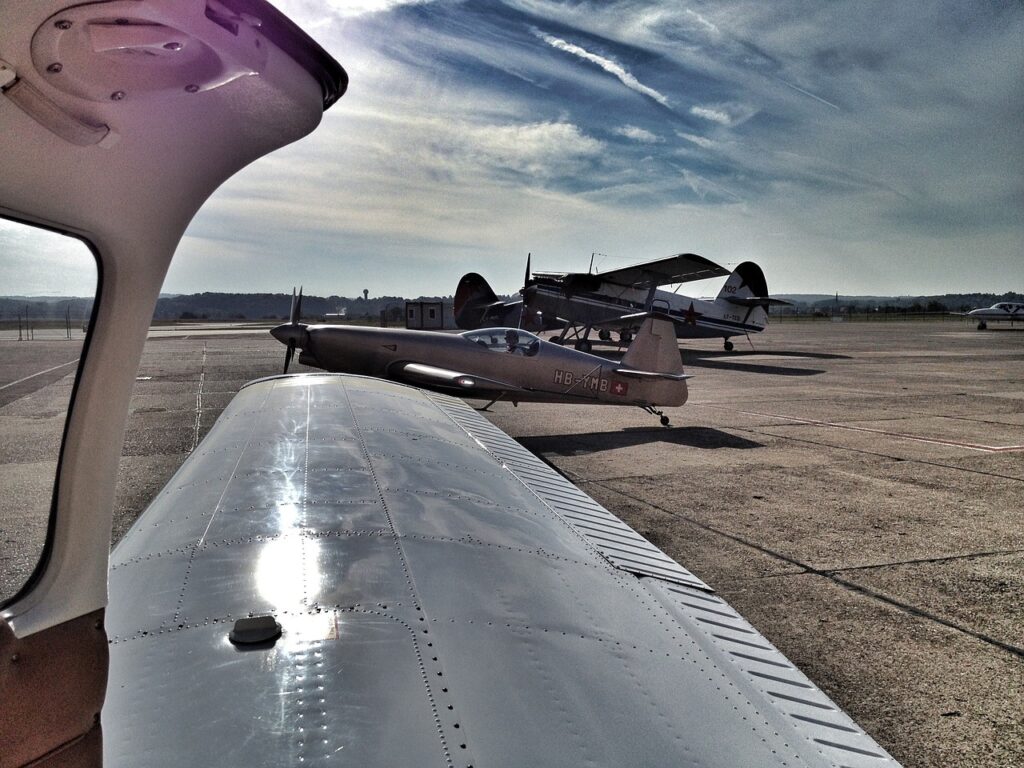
(508, 340)
(50, 297)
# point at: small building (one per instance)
(425, 315)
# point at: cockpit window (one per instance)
(47, 289)
(508, 340)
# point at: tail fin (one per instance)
(747, 288)
(746, 282)
(654, 350)
(472, 297)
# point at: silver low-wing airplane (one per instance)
(610, 301)
(1001, 312)
(497, 363)
(345, 571)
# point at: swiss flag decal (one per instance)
(620, 388)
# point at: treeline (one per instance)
(36, 308)
(272, 306)
(894, 305)
(275, 306)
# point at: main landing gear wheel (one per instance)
(557, 340)
(728, 345)
(982, 325)
(584, 346)
(625, 337)
(604, 334)
(664, 421)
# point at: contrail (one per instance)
(808, 93)
(608, 65)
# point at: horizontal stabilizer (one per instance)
(431, 375)
(757, 301)
(653, 374)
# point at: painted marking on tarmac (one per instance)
(899, 435)
(40, 373)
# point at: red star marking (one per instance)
(619, 388)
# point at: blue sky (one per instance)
(858, 147)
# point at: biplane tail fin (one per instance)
(654, 349)
(473, 297)
(747, 288)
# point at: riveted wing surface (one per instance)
(445, 599)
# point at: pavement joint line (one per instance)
(921, 613)
(898, 435)
(925, 560)
(39, 373)
(882, 455)
(830, 574)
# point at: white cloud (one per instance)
(700, 141)
(729, 114)
(608, 65)
(638, 134)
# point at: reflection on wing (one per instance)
(430, 375)
(682, 268)
(445, 599)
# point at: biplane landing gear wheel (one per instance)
(728, 346)
(664, 421)
(982, 325)
(584, 346)
(604, 334)
(625, 337)
(557, 340)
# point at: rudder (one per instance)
(654, 348)
(472, 297)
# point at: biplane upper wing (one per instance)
(681, 268)
(444, 598)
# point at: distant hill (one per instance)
(947, 302)
(45, 307)
(275, 306)
(272, 306)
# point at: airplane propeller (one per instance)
(293, 333)
(525, 288)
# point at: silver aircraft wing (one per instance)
(431, 375)
(444, 599)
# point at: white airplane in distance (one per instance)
(1004, 311)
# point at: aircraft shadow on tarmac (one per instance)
(595, 442)
(733, 361)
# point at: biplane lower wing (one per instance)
(444, 598)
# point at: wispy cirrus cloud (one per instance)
(477, 130)
(638, 134)
(728, 114)
(609, 65)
